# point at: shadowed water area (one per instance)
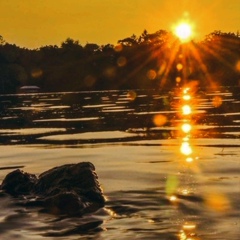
(168, 161)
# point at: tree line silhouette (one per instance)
(151, 60)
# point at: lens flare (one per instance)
(171, 185)
(217, 202)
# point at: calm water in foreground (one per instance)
(168, 162)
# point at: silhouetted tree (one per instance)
(146, 61)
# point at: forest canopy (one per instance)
(151, 60)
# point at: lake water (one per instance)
(168, 162)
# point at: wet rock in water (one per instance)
(71, 189)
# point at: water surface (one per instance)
(161, 180)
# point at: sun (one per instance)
(183, 31)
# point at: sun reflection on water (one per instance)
(189, 159)
(186, 149)
(186, 97)
(186, 127)
(186, 109)
(188, 232)
(182, 184)
(173, 198)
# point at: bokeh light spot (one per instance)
(121, 61)
(217, 202)
(131, 95)
(179, 66)
(159, 120)
(178, 79)
(110, 72)
(151, 74)
(118, 48)
(217, 101)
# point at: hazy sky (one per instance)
(36, 23)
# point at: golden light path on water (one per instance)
(182, 184)
(188, 230)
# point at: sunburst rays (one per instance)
(175, 62)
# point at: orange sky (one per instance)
(36, 23)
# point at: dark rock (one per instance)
(71, 189)
(18, 183)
